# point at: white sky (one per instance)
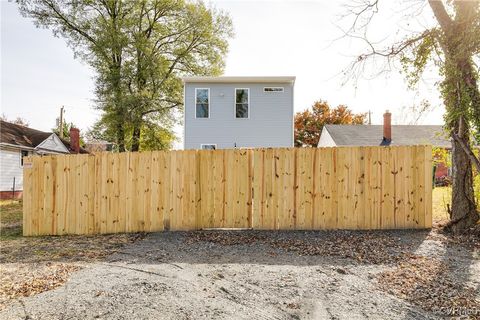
(39, 73)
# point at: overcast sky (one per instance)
(39, 73)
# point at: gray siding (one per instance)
(270, 123)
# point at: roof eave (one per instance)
(17, 146)
(280, 79)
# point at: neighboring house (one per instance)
(98, 146)
(238, 112)
(386, 135)
(17, 142)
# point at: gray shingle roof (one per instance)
(372, 135)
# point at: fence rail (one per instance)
(302, 188)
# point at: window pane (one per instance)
(241, 96)
(241, 110)
(202, 110)
(202, 96)
(24, 153)
(208, 147)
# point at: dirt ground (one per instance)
(31, 265)
(238, 275)
(267, 275)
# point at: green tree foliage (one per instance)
(66, 132)
(139, 50)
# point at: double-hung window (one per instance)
(202, 103)
(242, 101)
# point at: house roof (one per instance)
(17, 135)
(21, 136)
(283, 79)
(372, 135)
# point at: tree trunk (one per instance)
(136, 138)
(120, 137)
(463, 214)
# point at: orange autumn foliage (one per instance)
(309, 123)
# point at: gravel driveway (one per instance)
(176, 275)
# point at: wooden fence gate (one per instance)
(285, 188)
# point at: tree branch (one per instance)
(467, 150)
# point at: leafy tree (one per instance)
(66, 132)
(152, 137)
(139, 49)
(451, 47)
(309, 123)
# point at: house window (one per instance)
(202, 103)
(273, 89)
(242, 99)
(208, 146)
(24, 153)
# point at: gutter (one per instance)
(51, 151)
(16, 146)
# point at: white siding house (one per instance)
(17, 142)
(11, 169)
(238, 112)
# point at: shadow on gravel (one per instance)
(274, 247)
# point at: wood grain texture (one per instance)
(304, 189)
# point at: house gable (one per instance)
(326, 139)
(52, 144)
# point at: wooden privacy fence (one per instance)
(306, 188)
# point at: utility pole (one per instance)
(60, 129)
(369, 117)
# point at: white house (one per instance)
(238, 112)
(17, 142)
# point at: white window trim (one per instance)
(207, 144)
(281, 91)
(235, 104)
(209, 103)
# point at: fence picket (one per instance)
(324, 188)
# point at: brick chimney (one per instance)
(387, 127)
(75, 139)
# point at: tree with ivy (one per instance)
(451, 46)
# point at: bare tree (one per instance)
(18, 120)
(415, 113)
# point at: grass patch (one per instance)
(10, 212)
(10, 219)
(440, 198)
